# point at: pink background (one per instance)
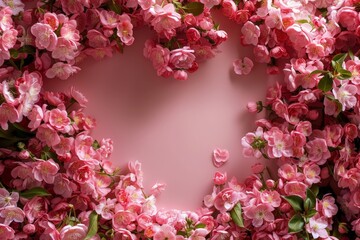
(172, 126)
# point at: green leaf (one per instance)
(315, 189)
(296, 202)
(340, 58)
(311, 197)
(351, 55)
(318, 71)
(296, 223)
(96, 145)
(326, 83)
(93, 225)
(344, 74)
(311, 213)
(196, 8)
(36, 191)
(200, 225)
(236, 215)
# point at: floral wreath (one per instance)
(57, 181)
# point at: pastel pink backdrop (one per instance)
(172, 126)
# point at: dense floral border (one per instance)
(57, 181)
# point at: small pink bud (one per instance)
(29, 228)
(270, 183)
(252, 107)
(220, 178)
(324, 174)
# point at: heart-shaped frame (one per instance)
(58, 183)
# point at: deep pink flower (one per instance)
(6, 232)
(8, 113)
(35, 208)
(259, 213)
(243, 66)
(295, 188)
(35, 116)
(64, 50)
(12, 213)
(59, 120)
(348, 18)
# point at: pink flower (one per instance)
(328, 207)
(252, 143)
(166, 19)
(16, 6)
(35, 116)
(8, 113)
(243, 66)
(315, 51)
(61, 70)
(46, 171)
(6, 232)
(271, 197)
(64, 146)
(97, 39)
(45, 38)
(50, 233)
(348, 18)
(346, 95)
(165, 232)
(182, 58)
(226, 199)
(259, 213)
(298, 35)
(261, 54)
(12, 213)
(210, 3)
(312, 173)
(257, 168)
(295, 188)
(35, 208)
(63, 186)
(59, 120)
(250, 33)
(77, 232)
(220, 178)
(8, 39)
(122, 219)
(7, 199)
(279, 144)
(317, 151)
(220, 157)
(124, 30)
(64, 50)
(48, 135)
(317, 227)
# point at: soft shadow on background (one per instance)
(172, 126)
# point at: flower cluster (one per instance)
(287, 29)
(57, 182)
(56, 35)
(268, 209)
